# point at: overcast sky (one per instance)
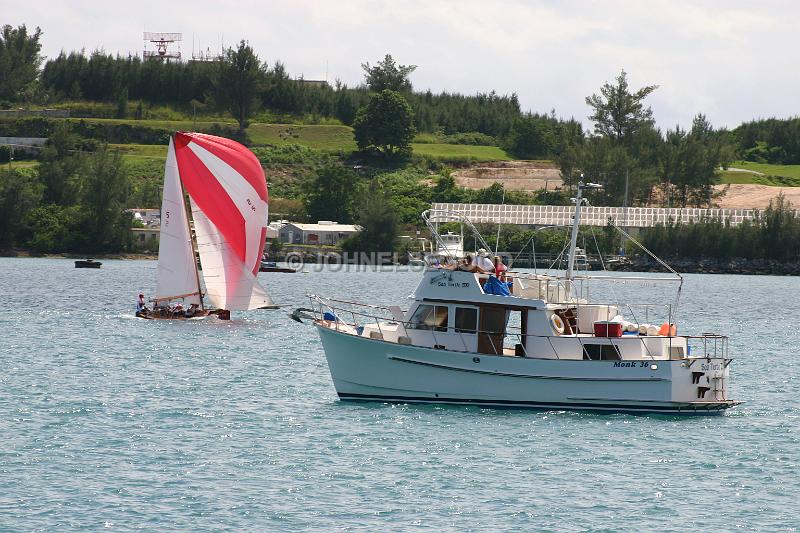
(732, 60)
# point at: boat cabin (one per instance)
(454, 310)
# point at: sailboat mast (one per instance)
(188, 211)
(192, 244)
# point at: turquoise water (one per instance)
(112, 422)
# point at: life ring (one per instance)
(558, 324)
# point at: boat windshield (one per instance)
(430, 317)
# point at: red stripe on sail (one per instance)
(263, 241)
(237, 156)
(210, 196)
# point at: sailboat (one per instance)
(228, 202)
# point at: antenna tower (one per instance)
(162, 45)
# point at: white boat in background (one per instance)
(227, 192)
(531, 340)
(450, 245)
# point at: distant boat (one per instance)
(227, 192)
(450, 245)
(87, 263)
(272, 266)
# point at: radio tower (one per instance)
(163, 45)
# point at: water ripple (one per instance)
(109, 422)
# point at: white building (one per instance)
(147, 216)
(323, 232)
(146, 237)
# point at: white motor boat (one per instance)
(451, 245)
(529, 340)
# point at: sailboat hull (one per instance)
(221, 314)
(375, 370)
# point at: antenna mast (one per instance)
(164, 45)
(575, 223)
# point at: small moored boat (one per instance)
(272, 266)
(88, 263)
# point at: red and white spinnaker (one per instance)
(228, 195)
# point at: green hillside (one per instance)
(762, 174)
(327, 138)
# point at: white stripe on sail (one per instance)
(230, 283)
(253, 209)
(177, 272)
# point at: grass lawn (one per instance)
(319, 137)
(775, 175)
(457, 151)
(150, 151)
(18, 164)
(329, 138)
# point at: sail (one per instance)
(228, 194)
(177, 271)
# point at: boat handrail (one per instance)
(721, 350)
(532, 275)
(360, 304)
(645, 306)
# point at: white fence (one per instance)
(561, 215)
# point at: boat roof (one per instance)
(461, 286)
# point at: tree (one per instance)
(60, 166)
(122, 103)
(331, 195)
(49, 229)
(493, 194)
(446, 190)
(378, 221)
(20, 193)
(19, 60)
(238, 81)
(532, 137)
(690, 161)
(386, 123)
(618, 113)
(105, 193)
(387, 75)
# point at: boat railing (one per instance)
(707, 345)
(713, 345)
(548, 286)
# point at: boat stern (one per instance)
(702, 381)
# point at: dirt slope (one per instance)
(755, 196)
(514, 175)
(535, 175)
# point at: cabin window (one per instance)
(466, 320)
(597, 352)
(430, 317)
